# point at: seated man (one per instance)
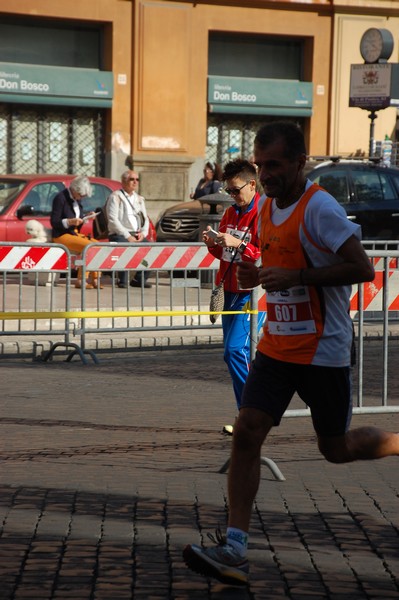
(67, 219)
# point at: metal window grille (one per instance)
(228, 139)
(42, 140)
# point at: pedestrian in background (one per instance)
(210, 183)
(128, 222)
(66, 220)
(236, 240)
(311, 254)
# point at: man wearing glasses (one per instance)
(311, 255)
(128, 222)
(236, 241)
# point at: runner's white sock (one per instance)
(238, 539)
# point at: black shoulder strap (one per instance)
(234, 254)
(128, 199)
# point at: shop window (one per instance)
(38, 42)
(49, 141)
(238, 55)
(231, 138)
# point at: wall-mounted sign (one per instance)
(250, 95)
(36, 84)
(374, 86)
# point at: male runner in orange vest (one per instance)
(311, 254)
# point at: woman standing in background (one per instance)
(210, 183)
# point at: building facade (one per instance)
(93, 86)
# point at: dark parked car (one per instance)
(24, 197)
(367, 189)
(369, 192)
(181, 222)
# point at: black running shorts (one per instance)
(327, 391)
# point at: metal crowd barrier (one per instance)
(178, 300)
(374, 302)
(26, 268)
(39, 299)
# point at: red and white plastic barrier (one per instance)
(373, 291)
(36, 258)
(168, 257)
(146, 256)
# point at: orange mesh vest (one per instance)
(295, 316)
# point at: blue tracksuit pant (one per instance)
(236, 340)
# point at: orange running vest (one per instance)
(295, 317)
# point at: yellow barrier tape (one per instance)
(7, 316)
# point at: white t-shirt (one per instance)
(329, 228)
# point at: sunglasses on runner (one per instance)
(235, 191)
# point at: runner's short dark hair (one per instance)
(289, 131)
(241, 167)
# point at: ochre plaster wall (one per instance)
(158, 52)
(171, 68)
(117, 17)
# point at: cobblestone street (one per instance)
(109, 470)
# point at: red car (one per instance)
(24, 197)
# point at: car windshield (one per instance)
(335, 182)
(8, 191)
(98, 197)
(368, 186)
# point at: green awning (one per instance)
(253, 96)
(56, 101)
(59, 86)
(260, 110)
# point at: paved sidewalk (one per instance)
(109, 470)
